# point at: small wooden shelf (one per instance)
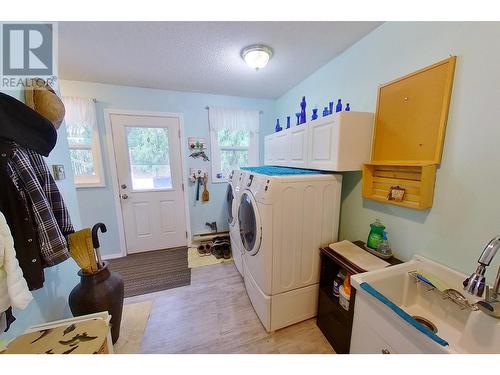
(417, 180)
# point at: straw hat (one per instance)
(43, 99)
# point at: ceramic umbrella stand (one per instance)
(99, 290)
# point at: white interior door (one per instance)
(149, 168)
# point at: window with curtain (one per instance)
(83, 141)
(234, 139)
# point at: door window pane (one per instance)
(232, 159)
(82, 162)
(149, 158)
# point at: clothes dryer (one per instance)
(232, 204)
(284, 217)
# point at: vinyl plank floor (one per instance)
(214, 315)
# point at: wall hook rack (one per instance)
(196, 173)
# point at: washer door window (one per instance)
(249, 220)
(230, 203)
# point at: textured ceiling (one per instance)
(201, 56)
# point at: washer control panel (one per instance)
(250, 180)
(267, 185)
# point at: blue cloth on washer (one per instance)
(270, 170)
(403, 314)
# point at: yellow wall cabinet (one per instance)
(408, 136)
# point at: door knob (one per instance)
(124, 186)
(124, 196)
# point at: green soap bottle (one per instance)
(376, 234)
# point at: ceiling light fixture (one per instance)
(257, 55)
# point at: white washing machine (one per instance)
(232, 204)
(284, 220)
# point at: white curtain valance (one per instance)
(233, 119)
(79, 111)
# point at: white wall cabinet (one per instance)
(269, 150)
(282, 147)
(298, 147)
(340, 142)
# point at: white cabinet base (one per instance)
(377, 331)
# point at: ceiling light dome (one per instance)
(257, 56)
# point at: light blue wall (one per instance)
(51, 302)
(192, 106)
(466, 211)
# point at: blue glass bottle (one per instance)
(326, 112)
(277, 128)
(347, 108)
(338, 108)
(303, 105)
(288, 121)
(330, 107)
(315, 114)
(298, 118)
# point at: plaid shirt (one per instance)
(35, 184)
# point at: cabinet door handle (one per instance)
(385, 351)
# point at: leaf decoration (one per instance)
(77, 338)
(69, 329)
(199, 154)
(45, 332)
(70, 350)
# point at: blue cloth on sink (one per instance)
(402, 314)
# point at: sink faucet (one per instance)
(476, 283)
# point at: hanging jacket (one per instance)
(19, 216)
(13, 288)
(29, 197)
(33, 180)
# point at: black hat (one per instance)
(20, 124)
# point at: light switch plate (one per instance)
(58, 171)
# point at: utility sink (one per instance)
(382, 327)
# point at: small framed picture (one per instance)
(396, 193)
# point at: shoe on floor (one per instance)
(201, 250)
(208, 248)
(205, 248)
(217, 251)
(220, 240)
(226, 252)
